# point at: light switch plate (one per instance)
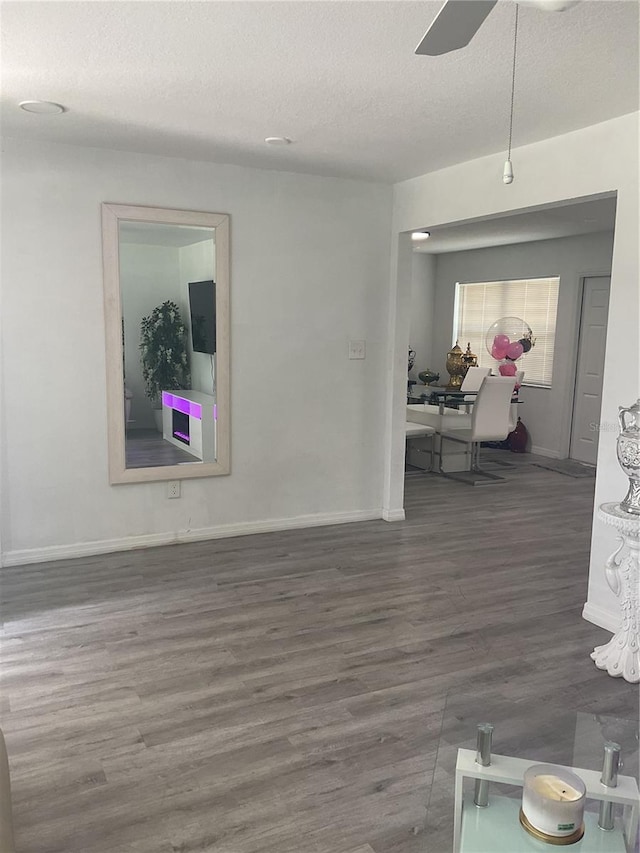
(357, 349)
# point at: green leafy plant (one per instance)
(164, 353)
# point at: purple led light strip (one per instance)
(187, 407)
(181, 435)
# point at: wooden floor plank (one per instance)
(285, 692)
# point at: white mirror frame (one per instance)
(112, 215)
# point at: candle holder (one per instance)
(553, 800)
(501, 827)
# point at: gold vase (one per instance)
(456, 368)
(470, 359)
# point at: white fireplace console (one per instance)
(189, 422)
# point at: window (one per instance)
(534, 300)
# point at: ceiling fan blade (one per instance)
(454, 26)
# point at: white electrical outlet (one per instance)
(173, 489)
(357, 349)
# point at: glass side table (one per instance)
(526, 734)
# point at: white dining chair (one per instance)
(473, 379)
(490, 421)
(472, 382)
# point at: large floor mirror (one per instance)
(166, 289)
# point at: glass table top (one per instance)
(538, 732)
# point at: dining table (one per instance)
(451, 398)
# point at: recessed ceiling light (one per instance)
(42, 108)
(419, 236)
(278, 140)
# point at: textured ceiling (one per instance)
(209, 80)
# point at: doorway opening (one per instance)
(569, 240)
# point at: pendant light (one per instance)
(507, 174)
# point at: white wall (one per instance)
(422, 307)
(309, 271)
(546, 412)
(599, 159)
(149, 275)
(196, 264)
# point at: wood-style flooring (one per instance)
(145, 448)
(285, 692)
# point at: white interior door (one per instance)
(588, 394)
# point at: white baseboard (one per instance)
(601, 617)
(152, 540)
(550, 454)
(393, 514)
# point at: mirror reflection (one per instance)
(166, 301)
(168, 297)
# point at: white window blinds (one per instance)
(533, 300)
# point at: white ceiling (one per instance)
(547, 223)
(209, 80)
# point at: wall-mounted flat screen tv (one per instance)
(202, 307)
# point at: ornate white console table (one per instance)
(621, 655)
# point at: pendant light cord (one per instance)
(513, 80)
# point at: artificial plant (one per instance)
(164, 353)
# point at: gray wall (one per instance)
(423, 284)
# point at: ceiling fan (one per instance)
(459, 20)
